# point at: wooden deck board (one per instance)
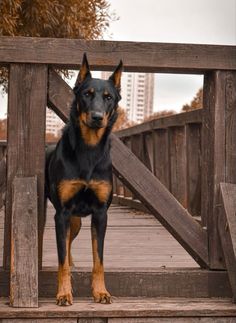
(126, 307)
(134, 239)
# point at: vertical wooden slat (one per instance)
(161, 156)
(213, 160)
(26, 136)
(148, 150)
(127, 192)
(193, 145)
(24, 243)
(230, 127)
(178, 171)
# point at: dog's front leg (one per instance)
(98, 231)
(64, 293)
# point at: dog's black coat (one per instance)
(73, 158)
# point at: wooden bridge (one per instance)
(179, 170)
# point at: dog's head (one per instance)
(97, 99)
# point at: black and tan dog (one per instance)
(79, 175)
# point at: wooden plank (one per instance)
(161, 156)
(44, 320)
(230, 126)
(160, 202)
(26, 132)
(24, 243)
(55, 82)
(175, 320)
(179, 119)
(134, 204)
(167, 210)
(137, 56)
(193, 146)
(3, 175)
(148, 158)
(127, 193)
(92, 320)
(213, 160)
(178, 164)
(125, 308)
(137, 282)
(227, 230)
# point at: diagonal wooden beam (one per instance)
(227, 231)
(143, 184)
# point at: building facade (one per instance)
(53, 123)
(137, 90)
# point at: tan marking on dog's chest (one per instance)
(68, 188)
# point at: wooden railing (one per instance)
(170, 147)
(191, 153)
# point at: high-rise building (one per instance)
(137, 91)
(53, 123)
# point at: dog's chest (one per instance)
(69, 188)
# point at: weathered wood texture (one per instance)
(128, 308)
(176, 120)
(137, 56)
(227, 230)
(218, 156)
(193, 155)
(147, 261)
(147, 188)
(26, 135)
(161, 156)
(24, 243)
(178, 164)
(160, 202)
(3, 175)
(175, 320)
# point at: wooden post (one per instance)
(178, 170)
(24, 244)
(26, 136)
(218, 157)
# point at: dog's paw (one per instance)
(102, 297)
(64, 299)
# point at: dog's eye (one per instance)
(108, 97)
(87, 94)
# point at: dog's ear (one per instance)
(116, 76)
(84, 71)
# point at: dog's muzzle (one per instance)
(96, 119)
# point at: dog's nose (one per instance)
(96, 116)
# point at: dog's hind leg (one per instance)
(64, 293)
(98, 230)
(75, 226)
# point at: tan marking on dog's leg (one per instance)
(100, 294)
(64, 294)
(75, 225)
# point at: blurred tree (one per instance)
(196, 103)
(83, 19)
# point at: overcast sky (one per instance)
(176, 21)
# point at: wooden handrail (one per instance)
(104, 55)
